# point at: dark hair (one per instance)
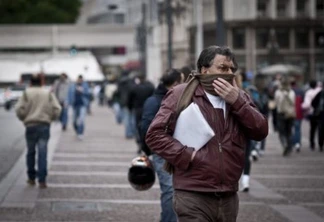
(80, 77)
(186, 71)
(206, 57)
(170, 77)
(36, 80)
(313, 84)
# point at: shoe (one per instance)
(245, 183)
(42, 185)
(287, 151)
(321, 149)
(80, 137)
(261, 153)
(63, 128)
(31, 182)
(297, 147)
(254, 155)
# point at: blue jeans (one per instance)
(79, 113)
(129, 121)
(64, 115)
(37, 136)
(165, 180)
(296, 137)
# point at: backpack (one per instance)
(287, 107)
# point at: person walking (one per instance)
(297, 133)
(309, 111)
(136, 98)
(286, 114)
(61, 91)
(318, 107)
(79, 99)
(37, 108)
(206, 180)
(151, 106)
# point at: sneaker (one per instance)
(80, 137)
(297, 147)
(245, 183)
(42, 185)
(31, 182)
(254, 155)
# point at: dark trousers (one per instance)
(285, 132)
(37, 139)
(313, 120)
(205, 207)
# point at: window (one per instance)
(319, 39)
(262, 37)
(238, 38)
(301, 8)
(283, 37)
(320, 8)
(262, 8)
(282, 8)
(301, 38)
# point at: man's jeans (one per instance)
(129, 122)
(296, 138)
(37, 136)
(79, 113)
(165, 180)
(64, 115)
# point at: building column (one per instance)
(248, 49)
(311, 54)
(312, 8)
(292, 8)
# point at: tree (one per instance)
(39, 11)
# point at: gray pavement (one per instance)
(88, 182)
(12, 141)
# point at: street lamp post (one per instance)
(170, 32)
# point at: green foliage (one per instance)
(39, 11)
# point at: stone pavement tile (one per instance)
(108, 212)
(15, 214)
(259, 213)
(319, 210)
(83, 168)
(308, 196)
(98, 193)
(297, 213)
(72, 179)
(292, 183)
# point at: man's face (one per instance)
(220, 65)
(79, 81)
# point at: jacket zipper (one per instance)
(221, 162)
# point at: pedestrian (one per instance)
(286, 114)
(309, 111)
(61, 91)
(297, 133)
(151, 106)
(79, 99)
(205, 181)
(318, 107)
(125, 84)
(273, 86)
(185, 71)
(140, 91)
(37, 108)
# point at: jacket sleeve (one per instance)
(150, 108)
(56, 107)
(159, 136)
(255, 125)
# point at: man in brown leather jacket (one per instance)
(206, 181)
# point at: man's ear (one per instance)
(204, 70)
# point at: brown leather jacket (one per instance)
(217, 166)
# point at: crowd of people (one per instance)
(194, 181)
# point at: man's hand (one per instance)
(226, 91)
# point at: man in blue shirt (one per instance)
(79, 99)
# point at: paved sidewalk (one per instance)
(88, 182)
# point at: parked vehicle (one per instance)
(12, 94)
(2, 97)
